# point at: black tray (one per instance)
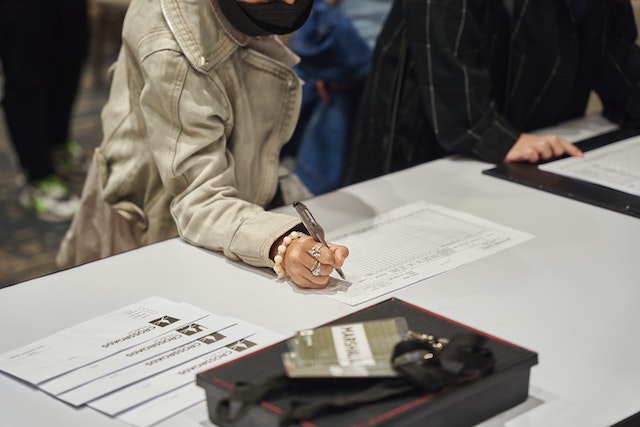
(461, 405)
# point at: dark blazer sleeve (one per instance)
(450, 51)
(619, 83)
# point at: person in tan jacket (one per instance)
(202, 99)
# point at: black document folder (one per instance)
(460, 405)
(598, 195)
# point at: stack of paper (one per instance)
(137, 363)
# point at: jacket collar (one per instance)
(194, 24)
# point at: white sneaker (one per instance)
(50, 199)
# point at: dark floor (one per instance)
(27, 244)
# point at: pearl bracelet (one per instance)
(277, 267)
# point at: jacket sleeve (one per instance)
(619, 83)
(449, 49)
(188, 121)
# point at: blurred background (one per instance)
(28, 245)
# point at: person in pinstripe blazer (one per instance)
(477, 76)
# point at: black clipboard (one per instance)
(594, 194)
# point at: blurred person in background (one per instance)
(335, 46)
(43, 47)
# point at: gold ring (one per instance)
(315, 268)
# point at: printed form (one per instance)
(410, 244)
(615, 165)
(161, 396)
(206, 327)
(121, 378)
(97, 339)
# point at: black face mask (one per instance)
(259, 19)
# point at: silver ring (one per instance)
(315, 251)
(315, 268)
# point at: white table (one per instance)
(572, 294)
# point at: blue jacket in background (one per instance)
(331, 50)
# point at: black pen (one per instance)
(315, 230)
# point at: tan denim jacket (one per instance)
(196, 118)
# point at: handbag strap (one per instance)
(434, 364)
(246, 395)
(304, 409)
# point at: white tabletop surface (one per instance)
(571, 294)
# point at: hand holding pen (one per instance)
(315, 230)
(309, 260)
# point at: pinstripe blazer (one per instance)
(467, 76)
